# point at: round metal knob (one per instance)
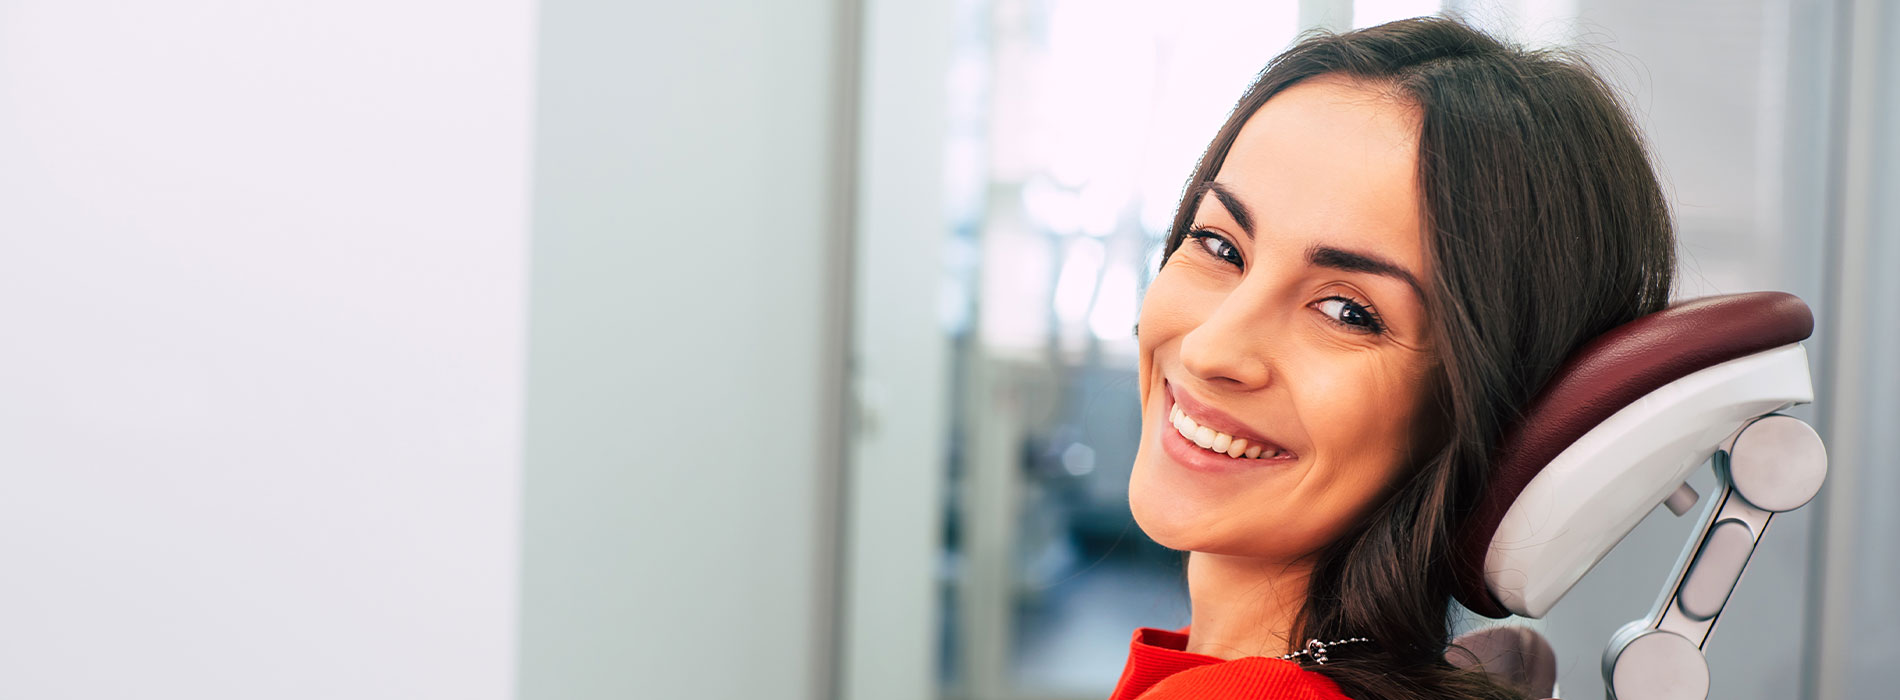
(1778, 463)
(1658, 665)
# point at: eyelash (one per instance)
(1374, 325)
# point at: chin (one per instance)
(1164, 531)
(1183, 518)
(1168, 518)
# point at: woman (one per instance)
(1385, 252)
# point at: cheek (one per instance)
(1167, 312)
(1363, 419)
(1357, 409)
(1351, 415)
(1168, 308)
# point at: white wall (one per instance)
(1855, 637)
(686, 366)
(262, 295)
(889, 642)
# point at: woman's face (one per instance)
(1292, 318)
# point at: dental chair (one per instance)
(1617, 431)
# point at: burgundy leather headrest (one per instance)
(1607, 374)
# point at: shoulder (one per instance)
(1251, 678)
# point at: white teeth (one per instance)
(1238, 448)
(1210, 439)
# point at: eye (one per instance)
(1351, 314)
(1216, 246)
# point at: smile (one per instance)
(1216, 441)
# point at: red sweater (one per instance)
(1158, 669)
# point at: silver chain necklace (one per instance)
(1317, 649)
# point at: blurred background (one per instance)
(566, 349)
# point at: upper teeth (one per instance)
(1211, 439)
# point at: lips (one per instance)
(1216, 432)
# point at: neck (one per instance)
(1243, 606)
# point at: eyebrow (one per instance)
(1317, 255)
(1352, 261)
(1235, 208)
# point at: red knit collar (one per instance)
(1155, 655)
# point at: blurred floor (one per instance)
(1072, 639)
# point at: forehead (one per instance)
(1330, 160)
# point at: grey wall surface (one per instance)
(684, 351)
(889, 594)
(1859, 630)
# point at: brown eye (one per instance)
(1350, 314)
(1216, 246)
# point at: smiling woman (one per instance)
(1410, 227)
(1286, 321)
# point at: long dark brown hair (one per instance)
(1544, 227)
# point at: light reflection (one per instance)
(1075, 286)
(1366, 13)
(1116, 303)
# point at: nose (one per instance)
(1230, 346)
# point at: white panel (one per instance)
(895, 519)
(262, 287)
(686, 351)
